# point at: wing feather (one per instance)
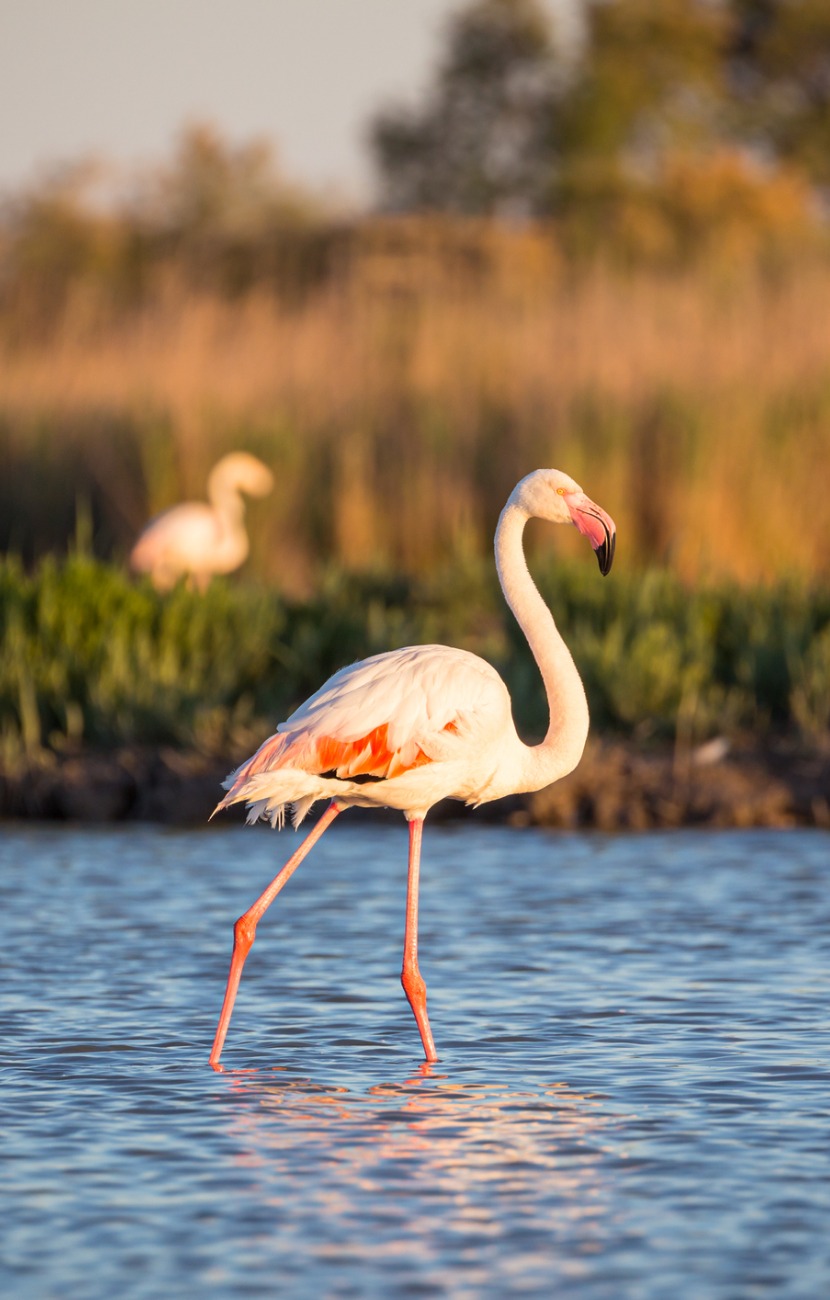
(387, 714)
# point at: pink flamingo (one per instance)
(427, 722)
(196, 540)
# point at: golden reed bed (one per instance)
(696, 402)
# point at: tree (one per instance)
(512, 125)
(780, 63)
(212, 187)
(651, 80)
(650, 90)
(484, 141)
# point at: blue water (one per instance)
(632, 1098)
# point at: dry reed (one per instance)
(399, 403)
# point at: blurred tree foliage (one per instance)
(517, 122)
(217, 218)
(663, 127)
(779, 64)
(484, 140)
(226, 206)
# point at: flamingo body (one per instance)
(196, 539)
(410, 727)
(427, 722)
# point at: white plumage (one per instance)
(197, 540)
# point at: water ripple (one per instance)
(631, 1100)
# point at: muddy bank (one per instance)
(617, 786)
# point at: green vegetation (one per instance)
(87, 656)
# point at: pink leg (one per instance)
(244, 930)
(413, 984)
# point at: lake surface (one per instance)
(632, 1098)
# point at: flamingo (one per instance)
(197, 540)
(409, 727)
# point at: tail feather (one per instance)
(300, 807)
(266, 794)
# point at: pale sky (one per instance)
(120, 78)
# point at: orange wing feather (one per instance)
(369, 755)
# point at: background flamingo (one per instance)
(422, 724)
(196, 540)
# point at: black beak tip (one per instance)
(605, 553)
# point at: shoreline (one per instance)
(617, 786)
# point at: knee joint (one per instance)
(413, 984)
(244, 933)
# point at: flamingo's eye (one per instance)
(560, 492)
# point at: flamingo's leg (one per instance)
(411, 978)
(244, 930)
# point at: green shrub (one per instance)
(89, 656)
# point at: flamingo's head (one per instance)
(549, 494)
(242, 472)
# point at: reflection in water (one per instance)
(497, 1165)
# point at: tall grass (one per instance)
(88, 657)
(399, 401)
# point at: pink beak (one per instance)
(597, 526)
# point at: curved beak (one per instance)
(597, 526)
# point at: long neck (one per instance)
(562, 747)
(226, 500)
